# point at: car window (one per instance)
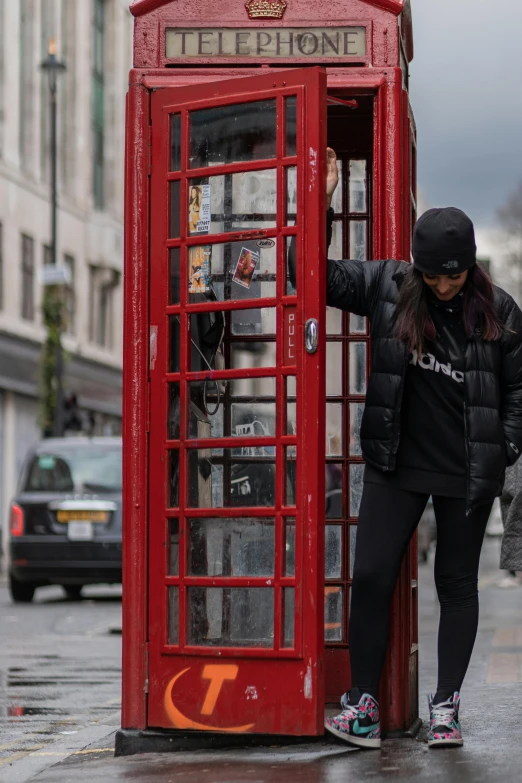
(75, 470)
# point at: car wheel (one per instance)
(21, 592)
(73, 592)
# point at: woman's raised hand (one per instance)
(332, 175)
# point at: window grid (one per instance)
(354, 331)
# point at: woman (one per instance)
(443, 418)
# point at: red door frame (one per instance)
(387, 242)
(299, 670)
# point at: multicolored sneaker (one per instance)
(358, 723)
(444, 722)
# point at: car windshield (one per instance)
(91, 469)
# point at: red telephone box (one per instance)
(243, 392)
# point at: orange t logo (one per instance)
(217, 676)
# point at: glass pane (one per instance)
(233, 134)
(353, 538)
(333, 552)
(333, 613)
(206, 332)
(173, 630)
(233, 202)
(334, 491)
(233, 270)
(220, 478)
(334, 320)
(334, 430)
(358, 324)
(175, 217)
(174, 479)
(357, 365)
(358, 244)
(175, 142)
(291, 266)
(173, 420)
(246, 355)
(291, 418)
(336, 245)
(291, 125)
(291, 476)
(291, 386)
(356, 488)
(358, 189)
(356, 414)
(174, 267)
(231, 616)
(231, 547)
(173, 547)
(337, 200)
(174, 343)
(288, 616)
(334, 369)
(291, 195)
(253, 322)
(289, 567)
(219, 408)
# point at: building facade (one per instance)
(94, 40)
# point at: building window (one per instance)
(47, 31)
(70, 297)
(28, 73)
(47, 255)
(68, 98)
(98, 101)
(1, 267)
(27, 278)
(103, 283)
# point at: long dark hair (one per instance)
(414, 324)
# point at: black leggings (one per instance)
(388, 518)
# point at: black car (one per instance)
(65, 525)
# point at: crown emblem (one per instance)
(266, 9)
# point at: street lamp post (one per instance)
(54, 305)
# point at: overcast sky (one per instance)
(466, 91)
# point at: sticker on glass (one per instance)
(199, 209)
(245, 268)
(199, 269)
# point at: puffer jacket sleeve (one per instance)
(511, 385)
(353, 285)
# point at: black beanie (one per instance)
(444, 242)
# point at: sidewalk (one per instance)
(491, 717)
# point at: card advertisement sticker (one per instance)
(199, 269)
(245, 267)
(199, 209)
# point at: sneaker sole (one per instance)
(445, 743)
(359, 742)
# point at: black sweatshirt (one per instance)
(432, 452)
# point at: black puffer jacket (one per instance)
(493, 384)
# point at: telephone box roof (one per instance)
(141, 7)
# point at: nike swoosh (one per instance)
(364, 729)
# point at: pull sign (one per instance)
(311, 335)
(290, 337)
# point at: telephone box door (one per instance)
(237, 430)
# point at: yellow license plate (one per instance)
(82, 516)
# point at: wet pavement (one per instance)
(491, 717)
(60, 669)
